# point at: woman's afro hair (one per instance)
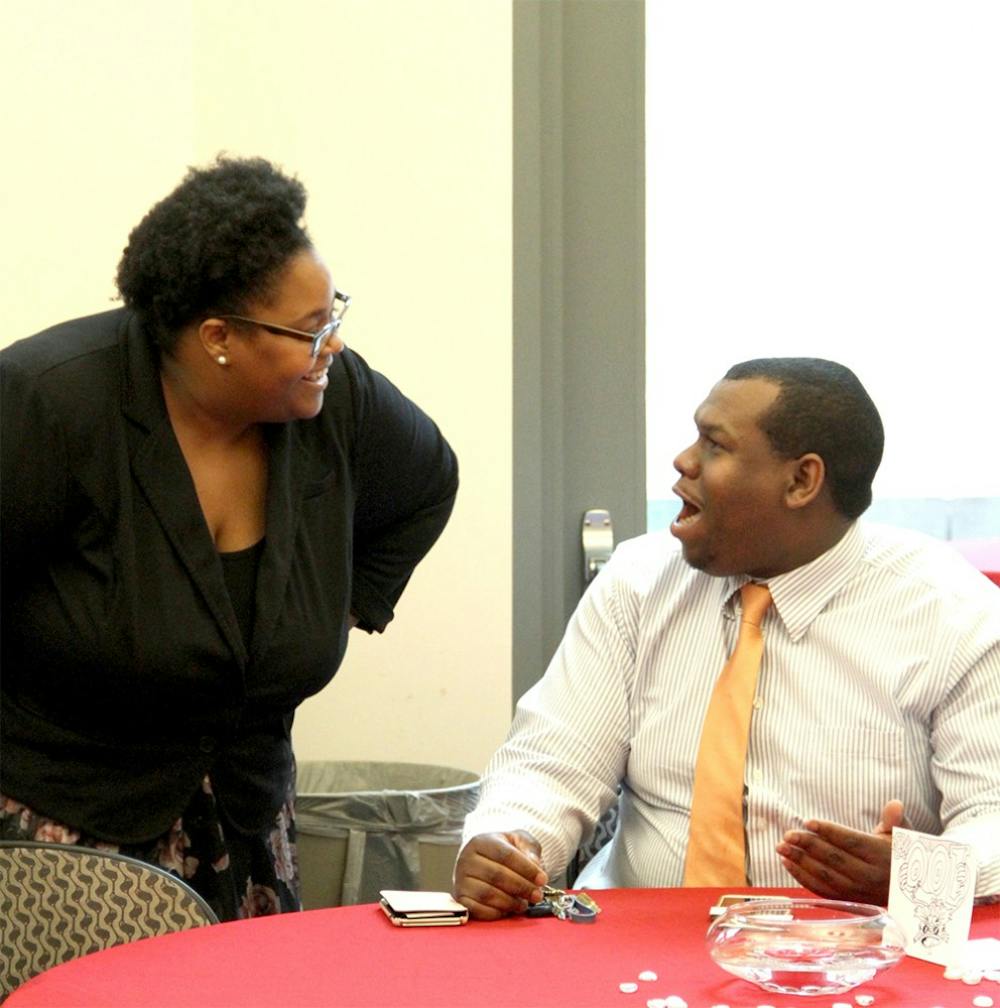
(217, 243)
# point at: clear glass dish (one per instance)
(805, 946)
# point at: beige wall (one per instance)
(397, 117)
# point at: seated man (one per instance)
(877, 695)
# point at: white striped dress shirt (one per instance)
(880, 679)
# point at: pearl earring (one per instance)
(222, 360)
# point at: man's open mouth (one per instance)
(687, 515)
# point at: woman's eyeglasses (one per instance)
(318, 339)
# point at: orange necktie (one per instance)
(716, 852)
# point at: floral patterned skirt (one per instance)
(239, 875)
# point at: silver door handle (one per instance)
(598, 541)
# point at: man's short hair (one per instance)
(822, 408)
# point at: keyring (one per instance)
(580, 908)
(578, 913)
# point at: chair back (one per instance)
(59, 901)
(604, 830)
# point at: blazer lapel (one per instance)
(286, 475)
(159, 469)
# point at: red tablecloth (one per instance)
(352, 957)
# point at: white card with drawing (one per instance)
(931, 888)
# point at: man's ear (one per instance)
(806, 479)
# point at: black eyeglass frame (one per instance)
(319, 338)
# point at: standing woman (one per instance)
(202, 492)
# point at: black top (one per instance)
(125, 674)
(239, 569)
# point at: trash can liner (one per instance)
(385, 811)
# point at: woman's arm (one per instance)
(406, 477)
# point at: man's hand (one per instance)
(498, 874)
(840, 863)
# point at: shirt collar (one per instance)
(800, 595)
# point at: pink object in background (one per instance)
(983, 554)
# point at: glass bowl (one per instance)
(805, 946)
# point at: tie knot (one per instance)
(755, 599)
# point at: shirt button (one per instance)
(758, 775)
(757, 703)
(206, 744)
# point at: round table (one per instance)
(352, 957)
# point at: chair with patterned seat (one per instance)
(59, 901)
(604, 830)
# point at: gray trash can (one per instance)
(366, 826)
